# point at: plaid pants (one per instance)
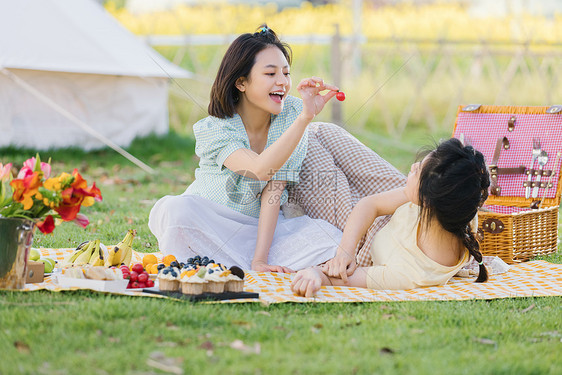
(337, 172)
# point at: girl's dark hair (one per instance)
(237, 62)
(453, 184)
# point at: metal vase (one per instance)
(16, 237)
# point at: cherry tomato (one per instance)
(138, 268)
(142, 278)
(340, 96)
(133, 276)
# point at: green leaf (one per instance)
(37, 167)
(2, 194)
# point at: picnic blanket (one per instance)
(530, 279)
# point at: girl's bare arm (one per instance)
(358, 222)
(308, 281)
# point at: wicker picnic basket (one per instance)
(520, 218)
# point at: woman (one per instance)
(431, 233)
(251, 148)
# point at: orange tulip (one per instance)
(76, 195)
(25, 188)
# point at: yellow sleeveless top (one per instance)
(398, 262)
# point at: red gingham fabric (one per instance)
(482, 130)
(508, 210)
(337, 172)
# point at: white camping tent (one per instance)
(71, 75)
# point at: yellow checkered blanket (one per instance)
(531, 279)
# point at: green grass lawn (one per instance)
(92, 333)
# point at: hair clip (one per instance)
(261, 31)
(481, 263)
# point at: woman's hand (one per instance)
(261, 266)
(313, 101)
(307, 282)
(342, 265)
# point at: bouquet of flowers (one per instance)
(37, 196)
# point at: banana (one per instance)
(123, 251)
(128, 256)
(129, 252)
(82, 245)
(84, 258)
(104, 254)
(93, 253)
(72, 256)
(102, 251)
(114, 257)
(97, 258)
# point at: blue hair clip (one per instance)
(263, 30)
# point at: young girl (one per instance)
(428, 239)
(250, 147)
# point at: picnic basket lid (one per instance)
(511, 129)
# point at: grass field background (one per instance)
(62, 333)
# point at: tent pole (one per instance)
(77, 121)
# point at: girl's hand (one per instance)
(342, 265)
(313, 101)
(307, 282)
(264, 267)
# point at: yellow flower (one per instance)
(88, 201)
(65, 180)
(53, 183)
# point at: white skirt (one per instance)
(188, 225)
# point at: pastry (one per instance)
(192, 280)
(235, 281)
(216, 277)
(168, 279)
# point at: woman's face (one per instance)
(269, 82)
(413, 181)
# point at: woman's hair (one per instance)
(237, 62)
(453, 184)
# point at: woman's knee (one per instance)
(175, 208)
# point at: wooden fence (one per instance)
(394, 84)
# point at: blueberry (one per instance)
(205, 258)
(210, 271)
(212, 261)
(160, 266)
(174, 274)
(197, 257)
(174, 264)
(166, 271)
